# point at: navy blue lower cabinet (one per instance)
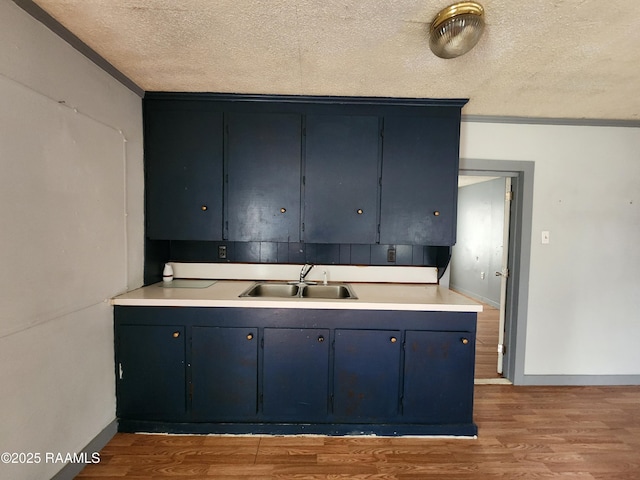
(224, 374)
(151, 372)
(293, 371)
(366, 375)
(438, 377)
(295, 374)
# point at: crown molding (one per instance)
(581, 122)
(56, 27)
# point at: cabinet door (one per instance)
(419, 180)
(438, 377)
(150, 372)
(263, 165)
(366, 375)
(183, 162)
(296, 374)
(341, 179)
(224, 373)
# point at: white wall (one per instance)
(477, 254)
(71, 200)
(583, 302)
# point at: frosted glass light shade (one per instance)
(456, 29)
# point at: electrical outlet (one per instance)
(481, 275)
(222, 252)
(391, 255)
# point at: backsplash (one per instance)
(158, 252)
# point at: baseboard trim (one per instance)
(70, 470)
(492, 381)
(566, 381)
(468, 429)
(580, 380)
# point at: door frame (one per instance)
(504, 270)
(520, 231)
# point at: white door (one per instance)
(504, 271)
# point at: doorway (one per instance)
(515, 295)
(479, 264)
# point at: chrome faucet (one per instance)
(306, 268)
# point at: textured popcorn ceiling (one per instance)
(539, 58)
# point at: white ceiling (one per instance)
(576, 59)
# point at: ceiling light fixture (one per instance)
(456, 29)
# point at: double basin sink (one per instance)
(299, 290)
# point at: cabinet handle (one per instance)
(176, 334)
(283, 210)
(436, 213)
(203, 208)
(359, 211)
(464, 341)
(320, 338)
(250, 336)
(393, 339)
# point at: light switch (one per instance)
(545, 236)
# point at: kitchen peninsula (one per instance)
(396, 360)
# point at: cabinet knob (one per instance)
(175, 334)
(283, 210)
(250, 336)
(359, 211)
(393, 339)
(203, 208)
(320, 338)
(464, 341)
(436, 213)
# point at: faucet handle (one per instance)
(306, 268)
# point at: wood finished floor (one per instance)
(487, 343)
(586, 433)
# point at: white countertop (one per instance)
(371, 296)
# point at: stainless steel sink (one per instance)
(288, 290)
(271, 290)
(327, 291)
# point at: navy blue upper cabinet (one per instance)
(183, 163)
(419, 179)
(321, 170)
(263, 171)
(341, 179)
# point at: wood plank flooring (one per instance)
(586, 433)
(487, 343)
